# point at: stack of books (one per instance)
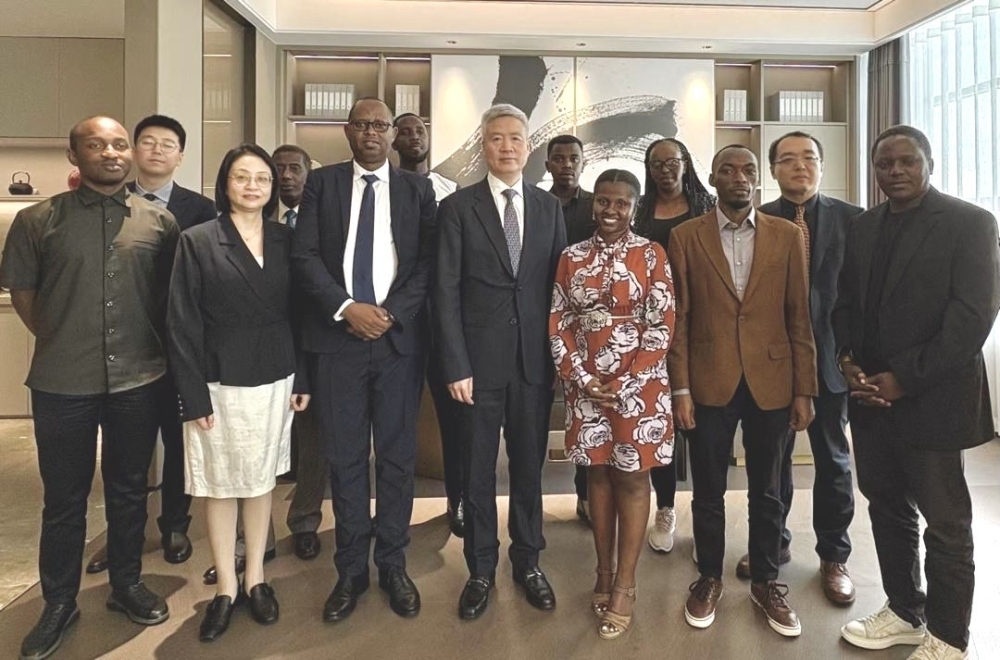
(734, 105)
(328, 100)
(798, 107)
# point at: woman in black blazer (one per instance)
(233, 356)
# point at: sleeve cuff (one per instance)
(338, 316)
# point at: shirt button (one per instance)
(111, 273)
(111, 358)
(513, 321)
(111, 248)
(110, 303)
(111, 331)
(737, 240)
(738, 263)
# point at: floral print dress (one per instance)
(612, 318)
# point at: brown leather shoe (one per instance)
(771, 598)
(837, 584)
(699, 611)
(743, 565)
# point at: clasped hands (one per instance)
(878, 391)
(605, 395)
(367, 322)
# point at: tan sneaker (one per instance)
(881, 630)
(699, 611)
(933, 648)
(661, 534)
(771, 598)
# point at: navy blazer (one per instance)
(318, 256)
(188, 207)
(939, 302)
(833, 217)
(482, 311)
(230, 321)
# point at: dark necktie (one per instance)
(364, 244)
(800, 222)
(151, 197)
(511, 231)
(290, 217)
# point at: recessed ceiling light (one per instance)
(706, 48)
(451, 42)
(581, 44)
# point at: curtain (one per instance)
(953, 95)
(885, 99)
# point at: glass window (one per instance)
(223, 96)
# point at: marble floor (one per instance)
(510, 628)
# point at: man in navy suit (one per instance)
(362, 256)
(159, 151)
(797, 164)
(499, 244)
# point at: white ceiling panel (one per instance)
(788, 4)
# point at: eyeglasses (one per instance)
(243, 179)
(808, 161)
(668, 164)
(149, 144)
(360, 125)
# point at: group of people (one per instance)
(315, 302)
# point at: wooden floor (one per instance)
(511, 628)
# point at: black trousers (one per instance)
(449, 415)
(663, 478)
(66, 436)
(765, 434)
(311, 474)
(523, 410)
(367, 393)
(833, 488)
(901, 484)
(175, 504)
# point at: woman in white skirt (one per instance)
(234, 358)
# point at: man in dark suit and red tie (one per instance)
(499, 245)
(797, 164)
(919, 293)
(362, 256)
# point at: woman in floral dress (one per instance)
(610, 327)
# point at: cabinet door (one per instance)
(14, 357)
(29, 103)
(91, 80)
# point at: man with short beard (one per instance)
(740, 274)
(88, 272)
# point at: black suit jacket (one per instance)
(941, 296)
(833, 217)
(318, 255)
(482, 311)
(188, 207)
(229, 321)
(580, 225)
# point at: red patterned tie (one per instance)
(800, 222)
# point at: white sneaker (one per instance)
(933, 648)
(882, 630)
(661, 534)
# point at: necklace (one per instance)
(249, 237)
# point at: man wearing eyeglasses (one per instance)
(797, 164)
(159, 151)
(88, 272)
(362, 254)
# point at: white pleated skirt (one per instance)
(247, 447)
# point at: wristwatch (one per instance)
(845, 357)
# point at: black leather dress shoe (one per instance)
(536, 588)
(263, 604)
(47, 635)
(211, 576)
(404, 599)
(176, 547)
(99, 562)
(344, 598)
(306, 545)
(456, 519)
(475, 597)
(217, 617)
(139, 604)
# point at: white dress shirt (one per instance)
(738, 244)
(496, 188)
(162, 194)
(384, 260)
(443, 186)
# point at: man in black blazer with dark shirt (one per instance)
(362, 255)
(499, 244)
(565, 163)
(159, 151)
(919, 293)
(797, 164)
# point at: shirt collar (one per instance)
(788, 207)
(163, 193)
(724, 221)
(497, 186)
(382, 172)
(89, 196)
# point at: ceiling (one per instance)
(792, 4)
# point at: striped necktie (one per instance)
(511, 231)
(800, 222)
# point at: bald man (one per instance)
(88, 271)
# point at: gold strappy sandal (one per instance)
(599, 601)
(614, 625)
